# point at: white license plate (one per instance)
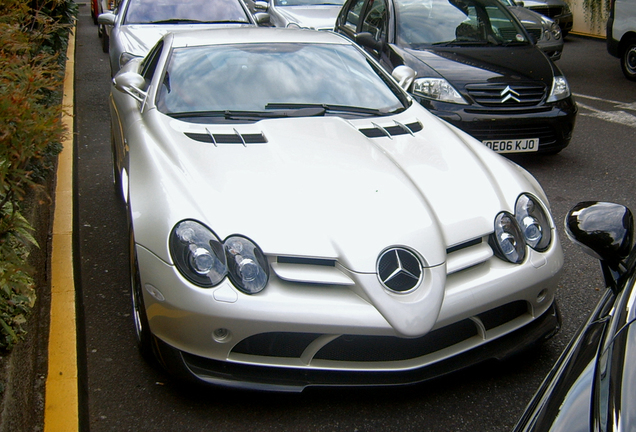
(513, 146)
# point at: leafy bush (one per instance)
(33, 39)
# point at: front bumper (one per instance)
(552, 124)
(271, 378)
(332, 335)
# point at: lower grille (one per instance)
(357, 348)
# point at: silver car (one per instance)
(136, 25)
(320, 227)
(312, 14)
(545, 31)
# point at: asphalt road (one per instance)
(120, 392)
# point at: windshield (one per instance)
(456, 23)
(184, 11)
(260, 78)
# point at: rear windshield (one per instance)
(184, 11)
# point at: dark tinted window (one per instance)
(353, 15)
(463, 22)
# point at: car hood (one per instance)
(467, 65)
(319, 187)
(137, 39)
(319, 17)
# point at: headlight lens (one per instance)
(560, 89)
(534, 222)
(507, 240)
(205, 261)
(247, 265)
(530, 226)
(125, 57)
(198, 254)
(438, 89)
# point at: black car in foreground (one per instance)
(477, 68)
(592, 387)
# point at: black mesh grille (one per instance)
(503, 314)
(276, 344)
(549, 11)
(386, 348)
(503, 95)
(357, 348)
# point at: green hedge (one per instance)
(33, 41)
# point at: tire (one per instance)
(145, 339)
(117, 183)
(105, 41)
(628, 60)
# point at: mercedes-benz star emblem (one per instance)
(399, 269)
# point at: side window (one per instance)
(353, 16)
(149, 64)
(375, 20)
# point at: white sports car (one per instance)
(296, 219)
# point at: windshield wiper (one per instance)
(333, 108)
(252, 115)
(194, 21)
(461, 43)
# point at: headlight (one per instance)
(560, 89)
(438, 89)
(247, 265)
(198, 254)
(530, 226)
(555, 30)
(534, 222)
(507, 240)
(205, 261)
(125, 57)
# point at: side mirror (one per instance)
(107, 18)
(260, 5)
(405, 76)
(131, 83)
(262, 18)
(367, 40)
(603, 230)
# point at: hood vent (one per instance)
(235, 138)
(390, 131)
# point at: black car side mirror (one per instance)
(603, 230)
(367, 40)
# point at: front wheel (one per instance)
(145, 339)
(628, 60)
(105, 41)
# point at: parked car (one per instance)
(102, 31)
(477, 68)
(592, 385)
(545, 31)
(95, 10)
(621, 35)
(319, 228)
(136, 25)
(312, 14)
(557, 10)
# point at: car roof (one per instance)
(223, 36)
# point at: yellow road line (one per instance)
(61, 399)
